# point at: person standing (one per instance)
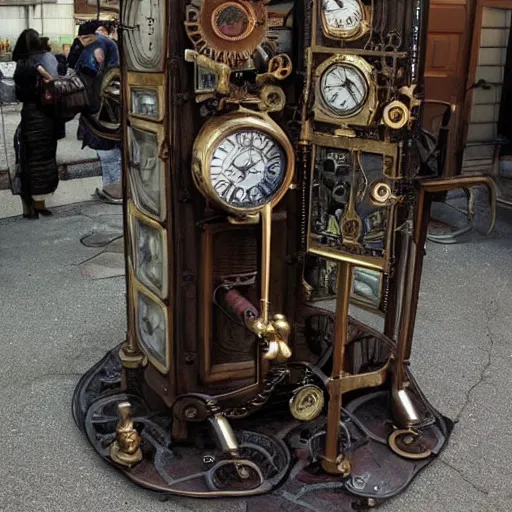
(39, 130)
(98, 55)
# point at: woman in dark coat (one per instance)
(37, 135)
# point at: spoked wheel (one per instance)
(408, 443)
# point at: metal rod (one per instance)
(266, 236)
(330, 463)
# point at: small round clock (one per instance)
(345, 90)
(143, 35)
(242, 161)
(344, 19)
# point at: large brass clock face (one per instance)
(344, 19)
(247, 169)
(242, 161)
(144, 39)
(344, 89)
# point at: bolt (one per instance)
(191, 413)
(208, 459)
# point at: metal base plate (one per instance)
(281, 456)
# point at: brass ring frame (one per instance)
(217, 129)
(364, 114)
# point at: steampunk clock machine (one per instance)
(273, 157)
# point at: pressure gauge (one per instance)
(344, 89)
(242, 161)
(143, 35)
(344, 19)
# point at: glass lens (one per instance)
(145, 103)
(149, 253)
(145, 171)
(231, 21)
(152, 328)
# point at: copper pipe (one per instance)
(330, 463)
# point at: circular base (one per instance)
(279, 461)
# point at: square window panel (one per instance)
(152, 330)
(144, 102)
(145, 171)
(149, 253)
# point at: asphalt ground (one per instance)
(62, 308)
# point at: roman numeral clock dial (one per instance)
(247, 168)
(242, 162)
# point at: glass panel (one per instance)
(367, 286)
(143, 36)
(145, 170)
(482, 132)
(343, 217)
(145, 103)
(495, 17)
(492, 74)
(492, 56)
(494, 37)
(149, 256)
(152, 328)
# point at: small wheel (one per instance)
(407, 443)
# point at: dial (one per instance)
(342, 16)
(344, 89)
(247, 168)
(143, 37)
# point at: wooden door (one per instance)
(447, 60)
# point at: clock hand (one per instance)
(340, 3)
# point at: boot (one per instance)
(29, 209)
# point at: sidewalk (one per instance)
(79, 169)
(60, 314)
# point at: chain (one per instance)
(273, 378)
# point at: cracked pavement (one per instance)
(56, 321)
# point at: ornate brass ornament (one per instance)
(256, 149)
(347, 20)
(395, 115)
(125, 450)
(226, 31)
(307, 402)
(345, 75)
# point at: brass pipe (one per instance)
(266, 237)
(331, 462)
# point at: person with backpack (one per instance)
(98, 55)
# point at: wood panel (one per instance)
(447, 60)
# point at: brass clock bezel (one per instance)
(220, 127)
(347, 35)
(395, 124)
(364, 115)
